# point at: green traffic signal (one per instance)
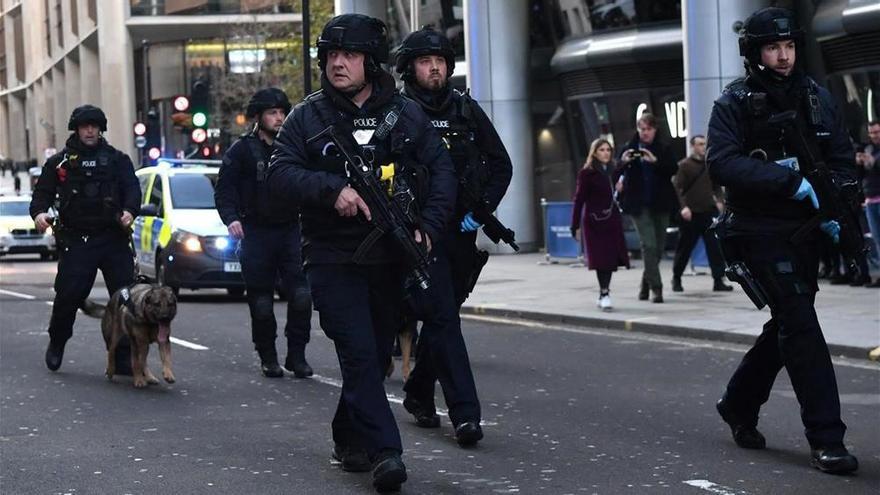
(200, 119)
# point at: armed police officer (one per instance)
(762, 163)
(351, 261)
(97, 196)
(269, 236)
(426, 61)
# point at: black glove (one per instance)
(573, 231)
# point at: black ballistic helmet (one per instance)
(766, 26)
(355, 33)
(265, 99)
(87, 114)
(425, 41)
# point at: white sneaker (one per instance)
(599, 302)
(605, 303)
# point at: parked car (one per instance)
(179, 238)
(18, 234)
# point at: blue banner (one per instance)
(557, 223)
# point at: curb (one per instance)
(644, 327)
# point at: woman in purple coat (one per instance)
(596, 212)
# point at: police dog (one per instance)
(143, 313)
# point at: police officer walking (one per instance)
(426, 61)
(93, 187)
(353, 269)
(270, 237)
(767, 201)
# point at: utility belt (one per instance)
(735, 268)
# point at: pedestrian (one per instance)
(16, 184)
(597, 216)
(647, 169)
(701, 201)
(767, 200)
(426, 60)
(354, 271)
(868, 160)
(98, 197)
(269, 237)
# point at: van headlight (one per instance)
(190, 241)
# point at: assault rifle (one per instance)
(389, 215)
(492, 227)
(837, 201)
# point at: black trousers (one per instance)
(80, 258)
(267, 253)
(441, 353)
(359, 307)
(689, 234)
(792, 339)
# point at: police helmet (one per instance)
(265, 99)
(766, 26)
(425, 41)
(356, 33)
(87, 114)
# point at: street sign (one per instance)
(140, 141)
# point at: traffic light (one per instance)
(153, 135)
(200, 102)
(181, 116)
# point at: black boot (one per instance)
(54, 354)
(269, 363)
(643, 292)
(425, 418)
(835, 460)
(658, 295)
(389, 472)
(676, 284)
(353, 460)
(296, 362)
(468, 434)
(745, 435)
(720, 286)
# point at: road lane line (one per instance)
(187, 344)
(391, 397)
(17, 294)
(710, 487)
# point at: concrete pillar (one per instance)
(116, 60)
(497, 57)
(711, 53)
(89, 77)
(73, 74)
(59, 121)
(372, 8)
(17, 124)
(4, 127)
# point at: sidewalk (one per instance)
(7, 183)
(517, 286)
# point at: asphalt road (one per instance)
(566, 410)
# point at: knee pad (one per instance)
(301, 299)
(262, 304)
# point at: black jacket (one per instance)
(311, 176)
(453, 112)
(759, 191)
(648, 185)
(239, 195)
(123, 187)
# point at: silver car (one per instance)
(18, 235)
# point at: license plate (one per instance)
(231, 266)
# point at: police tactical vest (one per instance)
(88, 190)
(259, 204)
(459, 133)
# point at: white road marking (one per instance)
(187, 344)
(17, 294)
(694, 343)
(391, 397)
(710, 487)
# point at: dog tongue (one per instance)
(164, 332)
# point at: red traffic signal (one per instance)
(206, 152)
(154, 153)
(181, 103)
(139, 128)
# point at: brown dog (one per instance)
(405, 337)
(143, 313)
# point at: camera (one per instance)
(636, 154)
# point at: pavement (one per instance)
(526, 286)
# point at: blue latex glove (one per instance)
(832, 229)
(805, 189)
(469, 224)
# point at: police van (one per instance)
(179, 238)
